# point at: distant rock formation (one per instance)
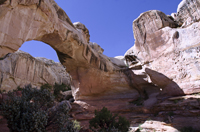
(20, 68)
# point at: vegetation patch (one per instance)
(105, 121)
(35, 111)
(46, 86)
(56, 89)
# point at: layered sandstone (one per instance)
(19, 69)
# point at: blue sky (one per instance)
(109, 23)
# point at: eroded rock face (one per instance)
(188, 12)
(169, 50)
(148, 36)
(20, 69)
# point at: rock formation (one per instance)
(19, 69)
(168, 48)
(164, 61)
(43, 20)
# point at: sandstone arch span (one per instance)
(43, 20)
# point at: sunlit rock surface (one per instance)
(20, 68)
(171, 50)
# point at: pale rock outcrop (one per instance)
(168, 49)
(188, 12)
(154, 126)
(148, 34)
(20, 68)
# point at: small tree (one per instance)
(35, 111)
(105, 121)
(56, 89)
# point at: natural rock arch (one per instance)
(43, 20)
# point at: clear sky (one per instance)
(109, 23)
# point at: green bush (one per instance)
(46, 86)
(105, 121)
(35, 111)
(58, 88)
(19, 88)
(77, 125)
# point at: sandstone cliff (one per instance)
(20, 69)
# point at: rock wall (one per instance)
(20, 69)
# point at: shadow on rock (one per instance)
(168, 87)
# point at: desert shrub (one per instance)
(60, 87)
(56, 89)
(46, 86)
(19, 88)
(35, 111)
(77, 125)
(105, 121)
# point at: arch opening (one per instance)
(39, 49)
